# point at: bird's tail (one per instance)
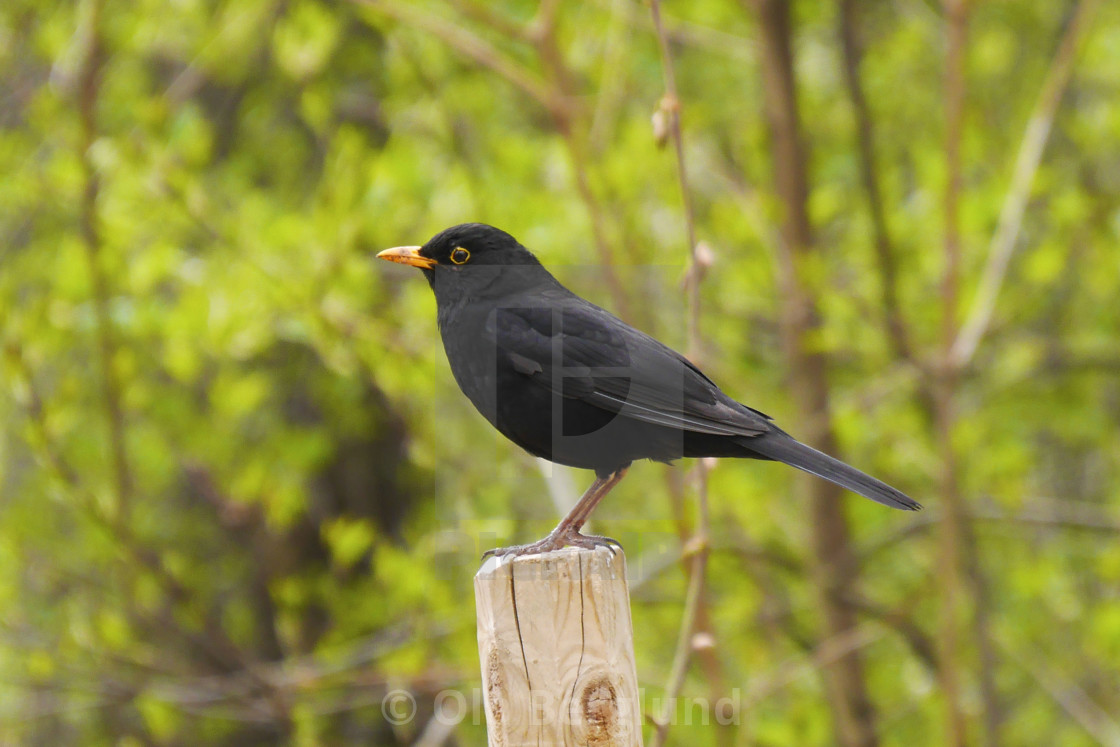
(796, 454)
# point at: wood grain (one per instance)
(555, 640)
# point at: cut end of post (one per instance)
(602, 557)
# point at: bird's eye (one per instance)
(459, 255)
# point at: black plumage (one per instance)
(572, 383)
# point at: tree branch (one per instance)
(1072, 699)
(1031, 147)
(834, 567)
(567, 117)
(556, 95)
(89, 87)
(469, 45)
(884, 249)
(953, 526)
(697, 547)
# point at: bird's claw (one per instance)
(593, 541)
(556, 541)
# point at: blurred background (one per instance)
(242, 500)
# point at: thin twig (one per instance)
(921, 643)
(712, 40)
(1026, 166)
(1071, 697)
(470, 45)
(614, 86)
(485, 13)
(120, 533)
(699, 544)
(568, 118)
(823, 654)
(578, 157)
(960, 555)
(953, 527)
(556, 94)
(845, 686)
(884, 247)
(671, 107)
(89, 88)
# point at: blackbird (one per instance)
(567, 381)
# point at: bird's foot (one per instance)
(555, 541)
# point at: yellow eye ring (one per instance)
(459, 255)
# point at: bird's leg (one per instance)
(566, 532)
(577, 517)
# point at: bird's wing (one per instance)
(581, 351)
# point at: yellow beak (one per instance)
(408, 255)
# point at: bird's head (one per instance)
(462, 247)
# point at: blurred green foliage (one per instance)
(283, 523)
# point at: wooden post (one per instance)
(557, 650)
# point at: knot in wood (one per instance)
(599, 703)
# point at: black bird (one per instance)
(569, 382)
